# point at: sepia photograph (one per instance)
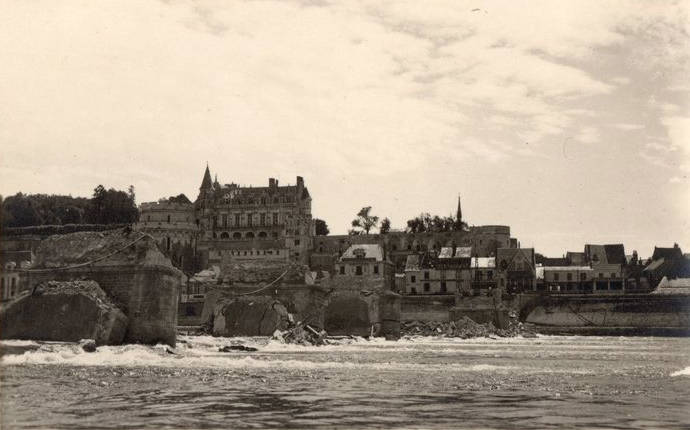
(321, 214)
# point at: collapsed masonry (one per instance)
(130, 270)
(64, 311)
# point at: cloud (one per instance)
(678, 130)
(627, 126)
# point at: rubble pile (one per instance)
(464, 328)
(301, 334)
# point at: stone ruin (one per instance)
(129, 273)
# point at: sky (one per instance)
(568, 121)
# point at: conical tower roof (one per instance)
(206, 182)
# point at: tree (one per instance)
(112, 207)
(365, 221)
(424, 222)
(321, 227)
(385, 226)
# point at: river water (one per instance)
(547, 382)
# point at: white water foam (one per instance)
(682, 372)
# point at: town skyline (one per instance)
(571, 126)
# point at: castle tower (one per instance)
(206, 182)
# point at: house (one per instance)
(608, 263)
(566, 279)
(364, 266)
(445, 273)
(516, 268)
(667, 262)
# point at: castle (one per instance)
(230, 223)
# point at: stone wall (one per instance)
(426, 308)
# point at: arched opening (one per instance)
(237, 235)
(225, 235)
(249, 235)
(263, 234)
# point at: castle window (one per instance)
(275, 219)
(376, 269)
(237, 220)
(342, 270)
(224, 235)
(296, 242)
(168, 218)
(443, 287)
(148, 218)
(413, 279)
(249, 235)
(262, 219)
(249, 219)
(167, 240)
(358, 270)
(569, 276)
(237, 235)
(263, 200)
(225, 220)
(427, 287)
(263, 234)
(426, 275)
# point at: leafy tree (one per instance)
(321, 227)
(112, 206)
(385, 226)
(424, 222)
(365, 221)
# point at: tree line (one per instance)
(106, 206)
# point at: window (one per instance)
(148, 218)
(237, 220)
(262, 219)
(613, 275)
(168, 218)
(167, 245)
(224, 235)
(443, 287)
(249, 219)
(225, 220)
(427, 287)
(342, 270)
(413, 279)
(426, 275)
(601, 275)
(583, 276)
(296, 242)
(237, 235)
(490, 275)
(249, 235)
(358, 270)
(275, 219)
(569, 276)
(376, 269)
(413, 290)
(555, 276)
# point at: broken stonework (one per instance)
(136, 276)
(64, 311)
(249, 316)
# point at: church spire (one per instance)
(206, 182)
(458, 215)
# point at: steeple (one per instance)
(206, 182)
(458, 215)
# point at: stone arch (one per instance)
(225, 235)
(347, 315)
(237, 235)
(263, 235)
(249, 235)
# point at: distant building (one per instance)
(566, 279)
(483, 274)
(445, 273)
(10, 275)
(364, 266)
(516, 269)
(608, 263)
(667, 262)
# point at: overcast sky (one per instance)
(568, 121)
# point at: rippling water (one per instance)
(586, 382)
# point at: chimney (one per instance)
(300, 182)
(271, 182)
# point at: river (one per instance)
(546, 382)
